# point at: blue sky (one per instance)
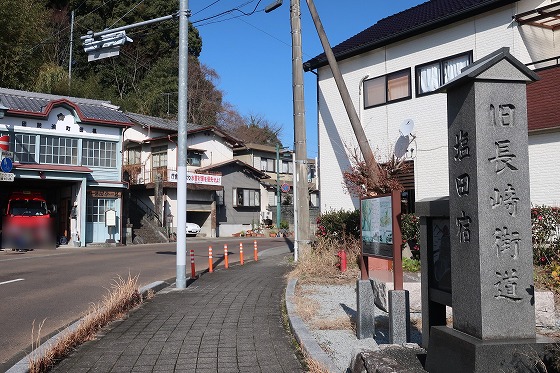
(253, 56)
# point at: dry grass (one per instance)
(121, 298)
(340, 323)
(306, 307)
(317, 264)
(313, 366)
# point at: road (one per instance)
(58, 286)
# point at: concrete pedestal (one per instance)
(453, 351)
(399, 317)
(365, 324)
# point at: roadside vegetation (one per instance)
(122, 297)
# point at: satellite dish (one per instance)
(401, 146)
(406, 127)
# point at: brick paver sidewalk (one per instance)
(226, 321)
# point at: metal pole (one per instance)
(278, 195)
(181, 280)
(343, 90)
(71, 47)
(295, 212)
(92, 34)
(300, 144)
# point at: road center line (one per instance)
(7, 282)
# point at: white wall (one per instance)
(217, 150)
(544, 168)
(482, 34)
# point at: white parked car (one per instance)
(193, 229)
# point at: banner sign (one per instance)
(193, 178)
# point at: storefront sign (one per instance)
(110, 218)
(104, 193)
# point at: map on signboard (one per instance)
(377, 227)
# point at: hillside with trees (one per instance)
(35, 53)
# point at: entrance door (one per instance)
(63, 219)
(96, 231)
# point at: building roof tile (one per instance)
(35, 103)
(410, 22)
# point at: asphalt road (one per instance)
(58, 286)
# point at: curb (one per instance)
(302, 334)
(22, 366)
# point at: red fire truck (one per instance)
(27, 223)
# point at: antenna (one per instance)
(406, 127)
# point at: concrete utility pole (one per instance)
(181, 281)
(278, 195)
(71, 48)
(350, 109)
(300, 144)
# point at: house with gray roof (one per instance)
(68, 150)
(150, 168)
(393, 69)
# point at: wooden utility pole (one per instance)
(363, 143)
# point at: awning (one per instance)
(544, 17)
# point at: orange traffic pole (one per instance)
(226, 261)
(193, 269)
(241, 252)
(255, 251)
(210, 264)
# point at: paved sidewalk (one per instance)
(226, 321)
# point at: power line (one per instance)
(124, 15)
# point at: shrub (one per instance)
(337, 224)
(410, 229)
(544, 220)
(410, 265)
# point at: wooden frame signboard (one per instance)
(381, 232)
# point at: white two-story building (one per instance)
(68, 150)
(393, 68)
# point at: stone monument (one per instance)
(489, 222)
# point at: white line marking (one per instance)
(7, 282)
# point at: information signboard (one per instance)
(377, 227)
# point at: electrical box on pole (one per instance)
(105, 46)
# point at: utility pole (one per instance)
(343, 90)
(278, 195)
(181, 281)
(300, 144)
(71, 47)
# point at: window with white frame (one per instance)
(433, 75)
(159, 156)
(96, 208)
(98, 153)
(267, 164)
(58, 150)
(387, 88)
(194, 158)
(132, 155)
(246, 197)
(287, 167)
(24, 148)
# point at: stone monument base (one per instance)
(453, 351)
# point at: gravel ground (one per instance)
(339, 301)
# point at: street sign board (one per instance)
(4, 176)
(7, 154)
(6, 165)
(285, 188)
